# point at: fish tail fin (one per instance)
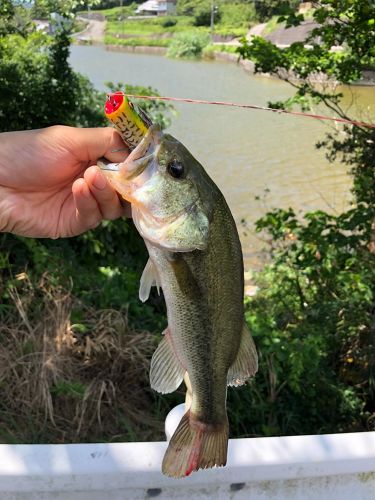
(195, 445)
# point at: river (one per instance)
(260, 160)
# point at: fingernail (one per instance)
(100, 182)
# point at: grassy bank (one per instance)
(160, 30)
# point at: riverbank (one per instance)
(367, 80)
(161, 51)
(238, 147)
(158, 43)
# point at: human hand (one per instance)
(49, 184)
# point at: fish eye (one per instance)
(176, 169)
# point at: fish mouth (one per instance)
(138, 167)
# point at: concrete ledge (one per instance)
(338, 467)
(137, 49)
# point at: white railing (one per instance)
(333, 467)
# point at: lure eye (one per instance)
(176, 169)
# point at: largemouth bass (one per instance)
(195, 257)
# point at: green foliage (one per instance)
(202, 14)
(230, 20)
(200, 11)
(265, 9)
(346, 24)
(313, 316)
(159, 111)
(169, 22)
(187, 7)
(102, 268)
(158, 25)
(119, 13)
(13, 19)
(313, 325)
(67, 388)
(188, 45)
(236, 15)
(110, 4)
(65, 8)
(38, 87)
(137, 41)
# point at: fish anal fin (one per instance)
(149, 278)
(195, 445)
(246, 362)
(166, 372)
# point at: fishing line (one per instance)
(248, 106)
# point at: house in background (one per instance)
(157, 8)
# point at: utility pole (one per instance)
(212, 19)
(122, 16)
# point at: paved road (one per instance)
(94, 31)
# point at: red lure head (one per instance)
(114, 101)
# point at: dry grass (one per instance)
(62, 382)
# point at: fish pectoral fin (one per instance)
(246, 362)
(149, 278)
(166, 372)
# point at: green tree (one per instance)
(313, 318)
(265, 9)
(96, 271)
(199, 10)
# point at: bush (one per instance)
(312, 321)
(169, 22)
(199, 10)
(265, 9)
(202, 14)
(188, 45)
(238, 15)
(55, 295)
(38, 88)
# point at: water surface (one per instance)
(259, 159)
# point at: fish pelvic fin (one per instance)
(195, 445)
(149, 278)
(246, 362)
(166, 371)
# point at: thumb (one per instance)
(94, 143)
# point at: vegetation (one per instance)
(188, 45)
(75, 342)
(193, 19)
(313, 317)
(74, 337)
(162, 27)
(265, 9)
(136, 41)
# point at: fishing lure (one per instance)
(129, 120)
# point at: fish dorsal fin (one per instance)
(246, 362)
(149, 278)
(166, 372)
